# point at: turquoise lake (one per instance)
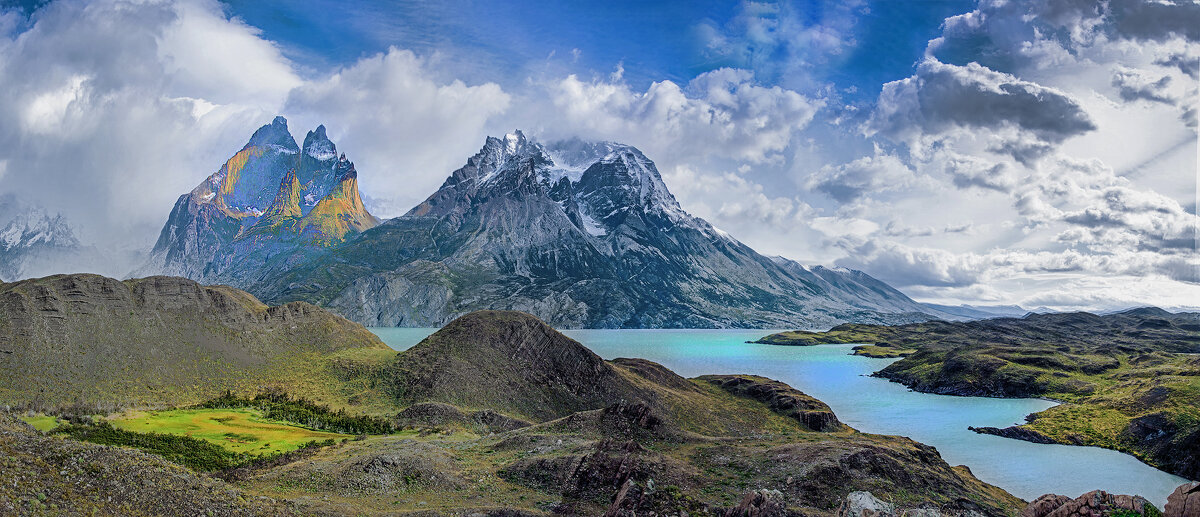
(828, 372)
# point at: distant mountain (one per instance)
(270, 197)
(981, 312)
(34, 243)
(581, 234)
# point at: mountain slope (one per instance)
(157, 340)
(270, 197)
(580, 234)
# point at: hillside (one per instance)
(51, 476)
(1130, 380)
(584, 436)
(162, 340)
(580, 234)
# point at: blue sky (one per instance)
(1036, 152)
(652, 40)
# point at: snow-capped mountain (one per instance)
(33, 242)
(271, 197)
(581, 234)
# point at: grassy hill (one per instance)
(157, 341)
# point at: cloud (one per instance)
(1133, 85)
(721, 113)
(104, 114)
(869, 175)
(113, 109)
(404, 130)
(942, 99)
(780, 42)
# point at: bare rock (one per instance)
(863, 504)
(1184, 501)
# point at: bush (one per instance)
(194, 453)
(279, 406)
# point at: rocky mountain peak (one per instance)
(276, 135)
(34, 228)
(318, 146)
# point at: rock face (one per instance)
(1096, 503)
(581, 235)
(69, 338)
(781, 398)
(271, 197)
(1184, 501)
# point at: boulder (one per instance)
(864, 504)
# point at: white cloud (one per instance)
(866, 176)
(720, 113)
(404, 131)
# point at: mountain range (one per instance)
(580, 234)
(35, 243)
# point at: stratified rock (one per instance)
(1184, 501)
(864, 504)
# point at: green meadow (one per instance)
(41, 422)
(236, 430)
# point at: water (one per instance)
(828, 372)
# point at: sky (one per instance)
(1036, 152)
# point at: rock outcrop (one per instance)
(781, 398)
(1184, 501)
(1096, 503)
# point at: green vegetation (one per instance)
(41, 422)
(277, 405)
(195, 453)
(239, 431)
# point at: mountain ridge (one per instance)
(581, 234)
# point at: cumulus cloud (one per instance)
(1133, 85)
(722, 112)
(865, 176)
(968, 171)
(943, 99)
(113, 109)
(103, 113)
(404, 130)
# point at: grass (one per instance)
(235, 430)
(41, 422)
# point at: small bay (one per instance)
(874, 405)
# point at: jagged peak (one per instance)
(318, 146)
(274, 134)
